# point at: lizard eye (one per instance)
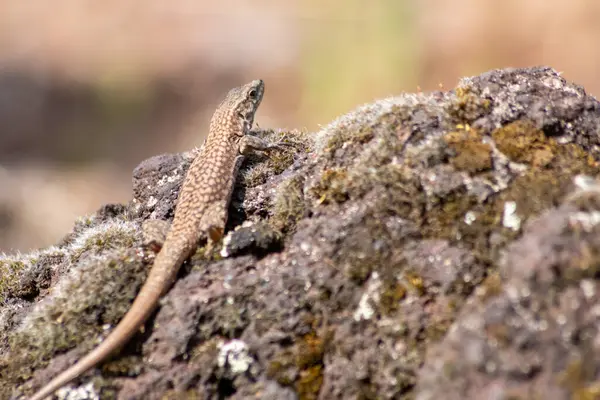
(252, 94)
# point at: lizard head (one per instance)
(241, 104)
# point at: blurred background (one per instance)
(89, 89)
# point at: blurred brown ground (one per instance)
(89, 89)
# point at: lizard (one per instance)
(201, 210)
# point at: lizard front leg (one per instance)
(250, 144)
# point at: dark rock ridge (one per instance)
(431, 245)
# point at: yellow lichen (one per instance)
(523, 142)
(471, 154)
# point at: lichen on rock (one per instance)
(417, 247)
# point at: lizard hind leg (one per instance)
(213, 223)
(214, 234)
(154, 233)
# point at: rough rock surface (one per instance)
(439, 245)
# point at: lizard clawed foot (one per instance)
(279, 146)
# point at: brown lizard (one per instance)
(201, 210)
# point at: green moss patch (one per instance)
(289, 205)
(98, 293)
(10, 273)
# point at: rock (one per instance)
(417, 247)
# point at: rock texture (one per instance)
(439, 245)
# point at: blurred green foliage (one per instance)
(365, 51)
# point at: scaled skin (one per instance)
(201, 210)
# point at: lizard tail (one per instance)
(161, 276)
